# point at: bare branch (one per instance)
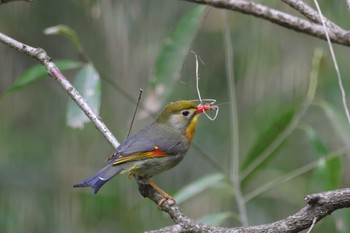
(318, 206)
(337, 35)
(306, 10)
(40, 55)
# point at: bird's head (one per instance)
(182, 115)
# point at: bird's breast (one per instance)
(154, 166)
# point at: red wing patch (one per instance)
(139, 156)
(156, 153)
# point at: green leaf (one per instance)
(327, 175)
(266, 138)
(36, 73)
(215, 219)
(174, 51)
(88, 85)
(197, 187)
(172, 55)
(66, 31)
(334, 173)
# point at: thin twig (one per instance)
(340, 80)
(133, 116)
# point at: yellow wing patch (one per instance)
(140, 156)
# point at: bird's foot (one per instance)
(164, 199)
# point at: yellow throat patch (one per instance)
(191, 129)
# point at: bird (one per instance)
(154, 149)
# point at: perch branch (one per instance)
(337, 34)
(40, 55)
(317, 207)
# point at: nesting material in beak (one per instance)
(203, 107)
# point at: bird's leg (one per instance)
(161, 191)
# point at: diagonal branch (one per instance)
(337, 35)
(40, 55)
(306, 10)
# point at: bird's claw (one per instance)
(164, 199)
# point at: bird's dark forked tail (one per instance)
(97, 181)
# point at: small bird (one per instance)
(154, 149)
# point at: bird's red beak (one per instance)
(203, 107)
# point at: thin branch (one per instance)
(337, 35)
(303, 8)
(306, 10)
(135, 111)
(40, 55)
(335, 63)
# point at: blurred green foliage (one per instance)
(36, 73)
(130, 41)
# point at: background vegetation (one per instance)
(145, 44)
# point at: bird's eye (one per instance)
(185, 113)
